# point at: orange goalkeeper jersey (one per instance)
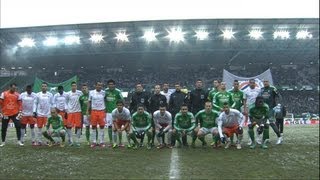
(10, 104)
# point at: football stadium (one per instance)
(159, 90)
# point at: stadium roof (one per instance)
(242, 48)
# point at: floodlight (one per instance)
(50, 41)
(228, 34)
(150, 35)
(27, 42)
(122, 36)
(176, 35)
(304, 34)
(282, 34)
(256, 34)
(96, 38)
(69, 40)
(201, 34)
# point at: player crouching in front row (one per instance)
(57, 128)
(231, 120)
(259, 114)
(141, 124)
(163, 120)
(184, 124)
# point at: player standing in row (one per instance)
(97, 107)
(207, 118)
(221, 97)
(214, 90)
(141, 124)
(239, 100)
(113, 95)
(28, 99)
(84, 99)
(43, 104)
(184, 124)
(10, 108)
(165, 91)
(177, 98)
(60, 103)
(230, 122)
(155, 101)
(269, 94)
(121, 119)
(251, 94)
(163, 120)
(74, 114)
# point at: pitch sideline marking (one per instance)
(174, 169)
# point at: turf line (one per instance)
(174, 168)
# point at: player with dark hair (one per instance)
(10, 108)
(28, 98)
(269, 94)
(74, 114)
(113, 95)
(230, 122)
(141, 124)
(163, 120)
(155, 101)
(43, 104)
(259, 115)
(84, 99)
(139, 97)
(121, 118)
(96, 107)
(184, 124)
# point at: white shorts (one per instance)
(108, 119)
(86, 120)
(208, 130)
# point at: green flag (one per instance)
(52, 87)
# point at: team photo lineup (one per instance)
(220, 112)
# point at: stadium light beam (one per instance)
(96, 38)
(27, 42)
(228, 34)
(51, 41)
(69, 40)
(304, 34)
(122, 36)
(150, 36)
(202, 34)
(282, 34)
(176, 35)
(255, 34)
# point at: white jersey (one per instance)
(162, 119)
(43, 103)
(124, 115)
(234, 118)
(60, 101)
(73, 102)
(251, 95)
(97, 100)
(28, 103)
(167, 95)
